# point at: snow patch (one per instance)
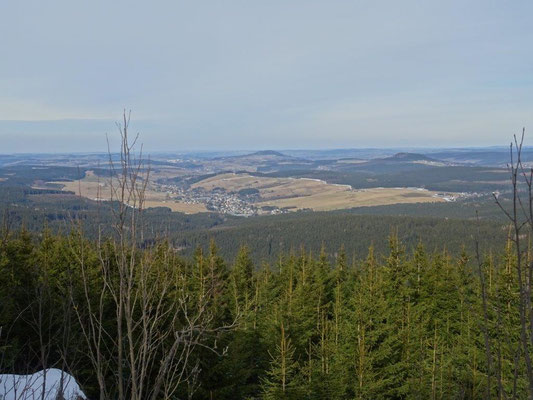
(49, 382)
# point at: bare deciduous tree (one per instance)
(147, 352)
(520, 216)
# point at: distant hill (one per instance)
(264, 155)
(268, 153)
(482, 157)
(409, 157)
(402, 161)
(260, 161)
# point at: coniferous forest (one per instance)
(408, 326)
(133, 321)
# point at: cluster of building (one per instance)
(230, 203)
(451, 197)
(218, 200)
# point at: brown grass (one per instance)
(93, 188)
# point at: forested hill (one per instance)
(267, 237)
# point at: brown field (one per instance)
(186, 208)
(502, 182)
(95, 189)
(350, 161)
(168, 172)
(335, 200)
(291, 193)
(314, 194)
(269, 188)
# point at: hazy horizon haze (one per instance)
(279, 75)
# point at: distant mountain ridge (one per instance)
(262, 155)
(402, 161)
(410, 157)
(268, 153)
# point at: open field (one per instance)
(269, 188)
(100, 189)
(314, 194)
(335, 200)
(186, 208)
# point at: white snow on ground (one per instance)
(31, 387)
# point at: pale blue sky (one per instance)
(264, 74)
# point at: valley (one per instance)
(271, 182)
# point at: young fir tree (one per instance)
(241, 284)
(398, 287)
(245, 360)
(211, 278)
(282, 381)
(364, 333)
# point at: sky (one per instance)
(251, 74)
